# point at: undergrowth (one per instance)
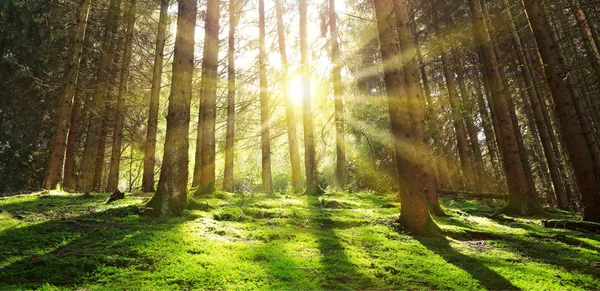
(278, 241)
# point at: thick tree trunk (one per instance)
(414, 207)
(556, 71)
(265, 122)
(310, 163)
(521, 200)
(58, 145)
(85, 181)
(208, 94)
(171, 195)
(150, 150)
(341, 169)
(289, 106)
(230, 134)
(115, 159)
(424, 175)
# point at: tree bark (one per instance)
(115, 159)
(459, 126)
(408, 55)
(414, 207)
(208, 94)
(150, 150)
(264, 102)
(534, 99)
(340, 146)
(521, 201)
(579, 154)
(289, 106)
(310, 163)
(85, 181)
(171, 196)
(56, 162)
(230, 134)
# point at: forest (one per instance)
(299, 144)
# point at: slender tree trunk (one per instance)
(150, 150)
(208, 94)
(459, 126)
(534, 95)
(486, 121)
(414, 207)
(264, 102)
(521, 200)
(429, 127)
(579, 154)
(512, 110)
(465, 111)
(54, 173)
(115, 159)
(289, 106)
(110, 106)
(230, 135)
(76, 121)
(85, 181)
(171, 195)
(310, 163)
(556, 71)
(586, 32)
(341, 169)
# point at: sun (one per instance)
(296, 90)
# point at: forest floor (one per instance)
(274, 241)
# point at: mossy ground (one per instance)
(273, 241)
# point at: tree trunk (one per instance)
(534, 96)
(341, 170)
(264, 102)
(208, 94)
(563, 104)
(424, 175)
(115, 159)
(414, 207)
(171, 195)
(465, 111)
(586, 32)
(150, 150)
(54, 173)
(521, 200)
(289, 106)
(459, 126)
(486, 121)
(310, 163)
(230, 135)
(73, 133)
(85, 181)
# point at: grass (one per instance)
(260, 241)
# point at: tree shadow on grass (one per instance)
(559, 248)
(66, 253)
(338, 271)
(487, 277)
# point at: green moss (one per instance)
(58, 242)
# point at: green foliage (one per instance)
(57, 242)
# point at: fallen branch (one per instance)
(572, 225)
(466, 194)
